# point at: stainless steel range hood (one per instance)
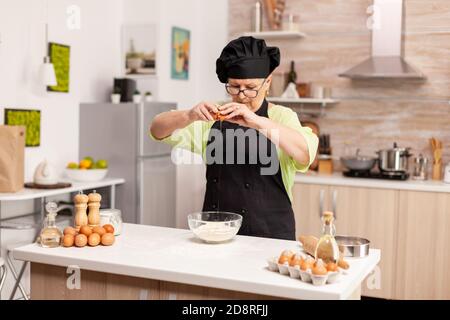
(387, 47)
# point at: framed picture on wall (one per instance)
(180, 53)
(31, 119)
(60, 57)
(139, 49)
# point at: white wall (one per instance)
(95, 60)
(92, 68)
(94, 63)
(207, 21)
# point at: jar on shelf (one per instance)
(290, 22)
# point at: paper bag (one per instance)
(12, 154)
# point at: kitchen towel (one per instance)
(12, 157)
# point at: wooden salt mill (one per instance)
(81, 218)
(94, 209)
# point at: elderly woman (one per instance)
(252, 177)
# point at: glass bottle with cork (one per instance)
(50, 236)
(327, 248)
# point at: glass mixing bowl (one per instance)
(215, 226)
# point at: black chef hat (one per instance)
(247, 58)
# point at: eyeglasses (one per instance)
(249, 93)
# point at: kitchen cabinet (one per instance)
(372, 214)
(308, 205)
(423, 253)
(364, 212)
(412, 229)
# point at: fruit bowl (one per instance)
(86, 175)
(215, 226)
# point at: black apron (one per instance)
(262, 200)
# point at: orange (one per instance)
(85, 164)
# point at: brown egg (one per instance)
(296, 260)
(107, 239)
(319, 268)
(285, 256)
(80, 240)
(307, 263)
(109, 228)
(70, 230)
(86, 230)
(94, 240)
(68, 240)
(101, 231)
(332, 267)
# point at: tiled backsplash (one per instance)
(372, 114)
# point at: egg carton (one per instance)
(304, 275)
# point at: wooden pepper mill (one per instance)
(94, 209)
(81, 218)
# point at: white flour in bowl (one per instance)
(216, 232)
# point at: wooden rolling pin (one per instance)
(310, 243)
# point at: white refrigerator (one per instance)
(119, 134)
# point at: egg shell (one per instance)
(100, 230)
(86, 230)
(319, 271)
(109, 228)
(70, 230)
(332, 267)
(94, 240)
(107, 239)
(81, 240)
(296, 260)
(307, 264)
(68, 240)
(285, 256)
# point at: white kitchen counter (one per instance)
(337, 179)
(175, 255)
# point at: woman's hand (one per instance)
(240, 114)
(204, 111)
(164, 124)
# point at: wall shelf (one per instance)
(274, 35)
(302, 102)
(141, 76)
(319, 101)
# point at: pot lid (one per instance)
(397, 148)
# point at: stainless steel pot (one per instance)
(394, 160)
(359, 162)
(353, 246)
